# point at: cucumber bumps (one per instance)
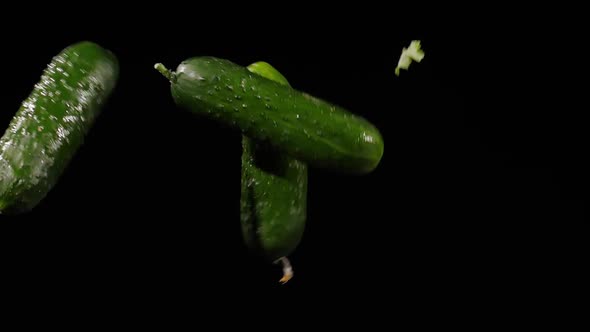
(51, 124)
(313, 131)
(274, 194)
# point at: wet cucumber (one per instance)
(273, 196)
(51, 123)
(314, 131)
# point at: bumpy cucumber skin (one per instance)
(274, 192)
(312, 130)
(51, 123)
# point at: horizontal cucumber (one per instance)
(273, 196)
(312, 130)
(51, 123)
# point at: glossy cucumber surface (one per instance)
(52, 122)
(312, 130)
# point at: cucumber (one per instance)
(51, 123)
(312, 130)
(273, 196)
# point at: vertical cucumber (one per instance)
(274, 194)
(51, 123)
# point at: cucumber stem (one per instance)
(164, 71)
(287, 269)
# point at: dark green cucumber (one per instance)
(52, 122)
(274, 194)
(312, 130)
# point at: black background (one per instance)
(480, 193)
